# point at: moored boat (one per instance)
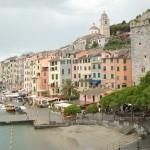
(10, 108)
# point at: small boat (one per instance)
(21, 109)
(2, 107)
(10, 108)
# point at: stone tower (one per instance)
(105, 25)
(140, 46)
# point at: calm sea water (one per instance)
(22, 137)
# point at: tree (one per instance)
(92, 108)
(138, 96)
(69, 90)
(72, 110)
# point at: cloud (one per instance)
(32, 25)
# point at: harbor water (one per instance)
(25, 137)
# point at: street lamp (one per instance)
(49, 113)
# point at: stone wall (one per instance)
(140, 48)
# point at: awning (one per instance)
(95, 82)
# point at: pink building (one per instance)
(93, 95)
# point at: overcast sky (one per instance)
(34, 25)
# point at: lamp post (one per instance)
(49, 113)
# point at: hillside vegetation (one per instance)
(138, 96)
(119, 28)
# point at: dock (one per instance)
(16, 122)
(52, 124)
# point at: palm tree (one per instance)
(69, 90)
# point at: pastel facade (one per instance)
(36, 73)
(93, 95)
(12, 73)
(59, 71)
(116, 71)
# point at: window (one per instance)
(125, 68)
(34, 89)
(79, 75)
(56, 76)
(118, 86)
(84, 67)
(112, 76)
(111, 60)
(104, 68)
(125, 77)
(118, 69)
(85, 76)
(99, 75)
(85, 84)
(143, 69)
(117, 60)
(104, 76)
(89, 67)
(74, 75)
(62, 81)
(124, 85)
(52, 63)
(74, 67)
(33, 81)
(45, 81)
(55, 68)
(124, 61)
(38, 74)
(104, 60)
(93, 99)
(63, 71)
(68, 71)
(52, 77)
(112, 85)
(112, 68)
(99, 66)
(94, 66)
(81, 84)
(94, 75)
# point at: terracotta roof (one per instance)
(95, 91)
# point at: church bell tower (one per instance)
(105, 25)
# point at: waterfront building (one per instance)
(140, 46)
(116, 70)
(59, 71)
(9, 73)
(93, 95)
(36, 73)
(96, 70)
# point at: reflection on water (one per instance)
(70, 138)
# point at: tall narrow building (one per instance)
(105, 25)
(140, 46)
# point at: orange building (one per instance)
(116, 71)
